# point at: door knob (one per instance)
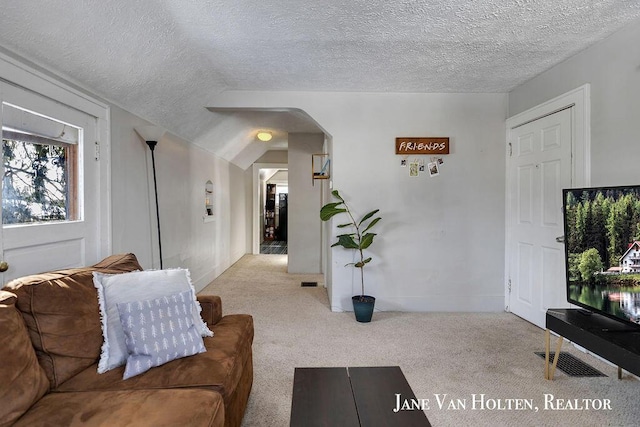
(3, 266)
(560, 239)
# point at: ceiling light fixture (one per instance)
(264, 136)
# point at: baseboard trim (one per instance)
(440, 303)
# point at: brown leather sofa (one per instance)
(50, 343)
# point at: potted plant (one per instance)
(359, 239)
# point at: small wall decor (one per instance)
(414, 168)
(320, 166)
(208, 201)
(208, 198)
(434, 170)
(427, 145)
(437, 146)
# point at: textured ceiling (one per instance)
(166, 60)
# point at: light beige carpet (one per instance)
(454, 357)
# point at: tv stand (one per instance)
(608, 338)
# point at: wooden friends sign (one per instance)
(430, 145)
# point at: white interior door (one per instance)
(61, 228)
(538, 168)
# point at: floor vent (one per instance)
(309, 284)
(573, 366)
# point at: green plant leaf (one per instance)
(371, 224)
(345, 225)
(337, 195)
(330, 209)
(367, 216)
(331, 205)
(346, 241)
(362, 263)
(366, 241)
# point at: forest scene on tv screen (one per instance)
(603, 247)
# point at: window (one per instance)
(56, 151)
(40, 168)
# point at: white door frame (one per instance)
(255, 215)
(580, 100)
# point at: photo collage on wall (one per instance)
(417, 166)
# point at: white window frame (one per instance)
(16, 72)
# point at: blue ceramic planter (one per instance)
(363, 307)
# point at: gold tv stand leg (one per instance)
(548, 374)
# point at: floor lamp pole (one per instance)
(152, 146)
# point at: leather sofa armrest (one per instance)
(211, 308)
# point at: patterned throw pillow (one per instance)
(158, 331)
(138, 285)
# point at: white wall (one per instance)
(205, 248)
(441, 242)
(133, 211)
(239, 204)
(304, 201)
(613, 70)
(327, 231)
(249, 220)
(274, 156)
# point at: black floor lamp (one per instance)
(151, 135)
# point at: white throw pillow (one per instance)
(138, 285)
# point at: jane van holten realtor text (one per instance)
(480, 402)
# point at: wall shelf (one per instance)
(320, 166)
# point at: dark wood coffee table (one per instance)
(359, 396)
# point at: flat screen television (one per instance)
(602, 250)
